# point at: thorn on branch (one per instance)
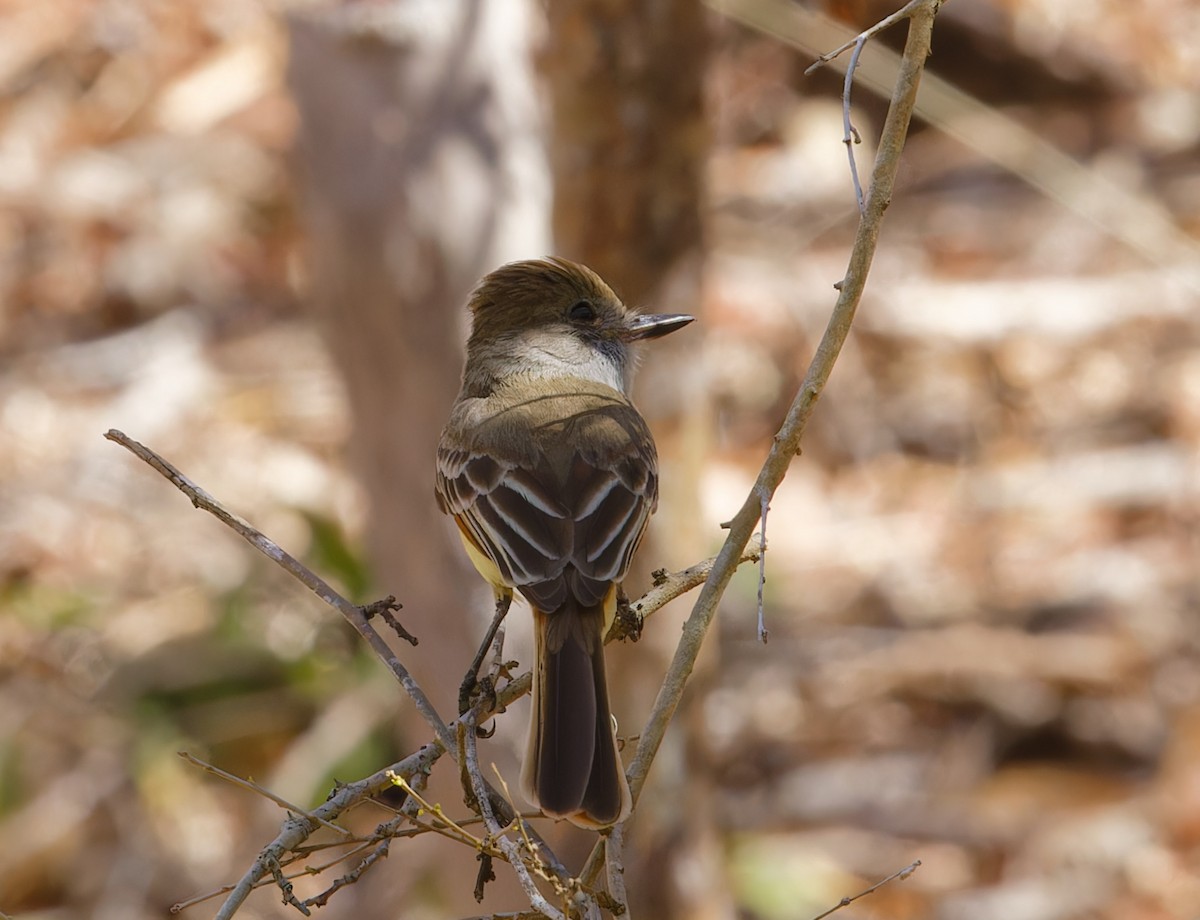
(289, 895)
(384, 610)
(350, 878)
(486, 874)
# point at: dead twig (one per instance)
(899, 874)
(354, 614)
(905, 12)
(265, 793)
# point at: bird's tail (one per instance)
(571, 768)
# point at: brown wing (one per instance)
(556, 490)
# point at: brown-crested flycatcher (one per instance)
(551, 475)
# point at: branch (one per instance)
(353, 614)
(900, 874)
(265, 793)
(670, 585)
(850, 135)
(862, 38)
(614, 864)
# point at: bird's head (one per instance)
(551, 315)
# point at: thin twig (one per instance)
(372, 859)
(299, 853)
(384, 610)
(285, 886)
(391, 830)
(445, 825)
(851, 135)
(899, 874)
(905, 12)
(259, 790)
(353, 614)
(676, 584)
(762, 572)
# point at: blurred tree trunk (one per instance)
(630, 137)
(628, 151)
(420, 159)
(420, 162)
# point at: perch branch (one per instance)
(497, 833)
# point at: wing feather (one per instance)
(556, 505)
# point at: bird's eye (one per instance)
(582, 312)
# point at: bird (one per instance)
(551, 475)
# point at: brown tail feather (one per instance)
(571, 765)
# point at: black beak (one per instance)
(656, 325)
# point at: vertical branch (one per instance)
(787, 440)
(786, 443)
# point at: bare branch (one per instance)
(350, 878)
(301, 824)
(671, 585)
(353, 614)
(265, 793)
(614, 865)
(899, 874)
(861, 39)
(787, 440)
(764, 507)
(850, 133)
